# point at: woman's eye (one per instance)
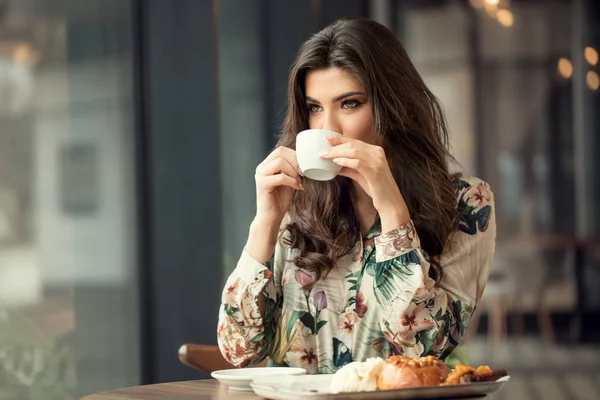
(313, 108)
(350, 104)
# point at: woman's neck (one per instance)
(365, 211)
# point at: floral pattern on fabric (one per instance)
(397, 242)
(377, 301)
(474, 206)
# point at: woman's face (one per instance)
(336, 102)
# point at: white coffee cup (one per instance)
(309, 144)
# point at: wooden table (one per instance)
(208, 389)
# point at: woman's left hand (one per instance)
(367, 165)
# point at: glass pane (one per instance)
(68, 283)
(436, 39)
(243, 119)
(494, 69)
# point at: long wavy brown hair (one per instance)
(323, 225)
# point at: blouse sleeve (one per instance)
(420, 317)
(243, 335)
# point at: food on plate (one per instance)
(467, 374)
(402, 372)
(357, 376)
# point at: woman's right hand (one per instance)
(276, 179)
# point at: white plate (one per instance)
(240, 378)
(316, 387)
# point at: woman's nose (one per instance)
(330, 123)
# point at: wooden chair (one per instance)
(206, 358)
(515, 272)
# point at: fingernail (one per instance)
(329, 138)
(336, 160)
(323, 154)
(300, 172)
(301, 186)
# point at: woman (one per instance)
(390, 257)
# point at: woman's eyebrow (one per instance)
(336, 98)
(345, 95)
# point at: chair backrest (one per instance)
(206, 358)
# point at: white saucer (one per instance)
(241, 378)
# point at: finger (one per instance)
(343, 151)
(353, 174)
(284, 152)
(280, 165)
(351, 163)
(271, 182)
(358, 165)
(335, 140)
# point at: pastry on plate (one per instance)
(402, 372)
(466, 374)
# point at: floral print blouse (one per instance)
(377, 301)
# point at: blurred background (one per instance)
(129, 135)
